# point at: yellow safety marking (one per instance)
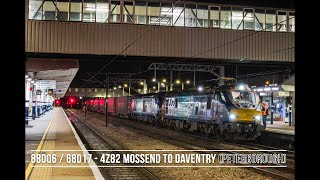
(30, 165)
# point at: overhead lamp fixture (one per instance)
(29, 79)
(200, 88)
(26, 76)
(141, 83)
(33, 81)
(275, 89)
(164, 80)
(125, 85)
(177, 81)
(153, 80)
(188, 82)
(241, 87)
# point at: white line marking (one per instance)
(151, 166)
(281, 150)
(97, 174)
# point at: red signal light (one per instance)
(72, 100)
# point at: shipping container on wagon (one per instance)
(111, 105)
(101, 105)
(123, 105)
(90, 104)
(95, 105)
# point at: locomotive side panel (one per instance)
(202, 108)
(146, 106)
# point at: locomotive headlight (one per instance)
(232, 116)
(257, 118)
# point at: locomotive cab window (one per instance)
(222, 97)
(243, 99)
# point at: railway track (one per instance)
(283, 173)
(116, 173)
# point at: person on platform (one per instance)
(265, 112)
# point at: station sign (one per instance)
(288, 87)
(284, 93)
(46, 84)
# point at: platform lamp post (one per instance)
(124, 86)
(106, 98)
(290, 108)
(129, 86)
(78, 101)
(271, 118)
(271, 103)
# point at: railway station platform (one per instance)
(54, 136)
(278, 134)
(280, 127)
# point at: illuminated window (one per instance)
(89, 11)
(178, 15)
(127, 15)
(237, 19)
(225, 21)
(166, 14)
(282, 21)
(75, 10)
(102, 11)
(270, 20)
(35, 9)
(291, 22)
(49, 10)
(248, 19)
(190, 15)
(63, 10)
(260, 19)
(214, 16)
(140, 13)
(115, 11)
(202, 15)
(153, 13)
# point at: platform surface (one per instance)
(280, 127)
(59, 135)
(34, 133)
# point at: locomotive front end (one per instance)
(244, 118)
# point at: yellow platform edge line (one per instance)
(30, 165)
